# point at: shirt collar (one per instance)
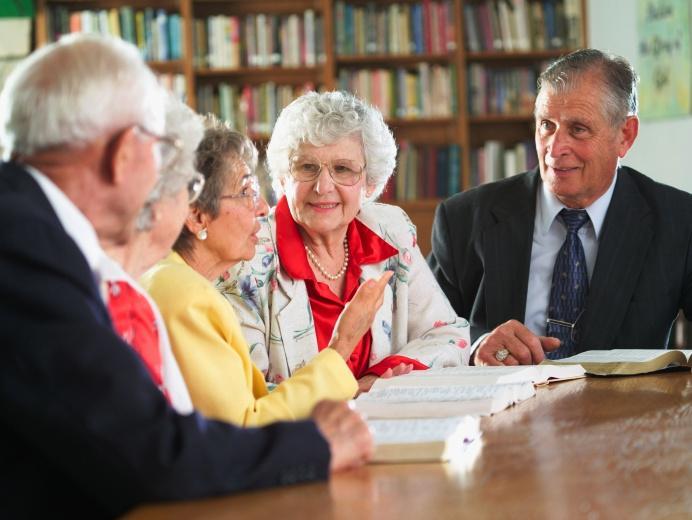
(365, 246)
(72, 220)
(548, 206)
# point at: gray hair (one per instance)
(619, 93)
(185, 125)
(76, 90)
(324, 118)
(220, 146)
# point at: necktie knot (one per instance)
(574, 218)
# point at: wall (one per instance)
(662, 146)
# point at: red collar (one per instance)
(365, 246)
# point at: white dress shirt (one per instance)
(549, 234)
(73, 221)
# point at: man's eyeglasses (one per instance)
(195, 187)
(306, 168)
(167, 148)
(564, 326)
(249, 191)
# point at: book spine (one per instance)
(309, 28)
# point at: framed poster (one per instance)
(663, 29)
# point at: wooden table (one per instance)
(591, 448)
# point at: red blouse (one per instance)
(134, 321)
(365, 247)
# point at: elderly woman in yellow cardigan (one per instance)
(221, 230)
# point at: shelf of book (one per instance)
(394, 59)
(492, 119)
(516, 55)
(423, 62)
(263, 73)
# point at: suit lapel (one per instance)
(622, 249)
(507, 247)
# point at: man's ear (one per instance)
(628, 133)
(121, 155)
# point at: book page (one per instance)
(401, 431)
(619, 356)
(548, 373)
(442, 401)
(387, 410)
(439, 393)
(461, 376)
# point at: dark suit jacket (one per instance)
(83, 430)
(481, 251)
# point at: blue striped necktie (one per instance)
(570, 286)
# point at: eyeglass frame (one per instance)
(173, 141)
(562, 323)
(322, 164)
(195, 187)
(249, 181)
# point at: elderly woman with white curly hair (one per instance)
(331, 155)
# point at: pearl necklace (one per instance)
(322, 270)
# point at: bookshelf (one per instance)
(454, 78)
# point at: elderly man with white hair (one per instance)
(84, 428)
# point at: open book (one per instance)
(622, 362)
(488, 375)
(454, 391)
(423, 440)
(444, 396)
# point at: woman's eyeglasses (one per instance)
(195, 187)
(249, 191)
(306, 168)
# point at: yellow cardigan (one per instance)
(215, 359)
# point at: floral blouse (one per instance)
(415, 319)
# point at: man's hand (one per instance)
(525, 348)
(365, 383)
(349, 438)
(356, 318)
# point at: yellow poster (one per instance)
(663, 28)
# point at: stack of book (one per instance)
(251, 109)
(157, 33)
(494, 161)
(259, 40)
(397, 28)
(493, 90)
(522, 25)
(422, 91)
(425, 171)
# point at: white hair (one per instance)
(75, 91)
(324, 118)
(187, 126)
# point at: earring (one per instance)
(202, 234)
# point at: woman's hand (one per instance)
(356, 318)
(366, 382)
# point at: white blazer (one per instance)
(415, 319)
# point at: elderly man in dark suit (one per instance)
(580, 253)
(84, 430)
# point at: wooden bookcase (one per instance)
(461, 128)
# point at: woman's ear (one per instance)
(196, 221)
(370, 189)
